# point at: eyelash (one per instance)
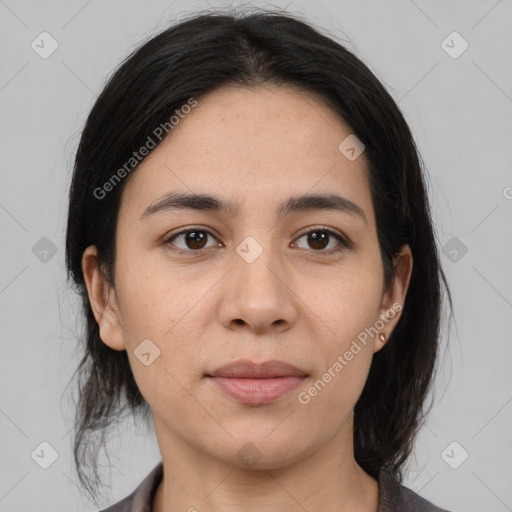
(343, 243)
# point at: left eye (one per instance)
(194, 240)
(319, 239)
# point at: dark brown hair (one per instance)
(204, 52)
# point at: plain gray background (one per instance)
(459, 108)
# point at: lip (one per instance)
(257, 383)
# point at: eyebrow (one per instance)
(176, 201)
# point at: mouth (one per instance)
(255, 384)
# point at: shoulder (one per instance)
(141, 499)
(394, 497)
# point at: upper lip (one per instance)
(244, 368)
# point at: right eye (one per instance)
(191, 240)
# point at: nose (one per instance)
(258, 293)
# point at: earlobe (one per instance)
(103, 301)
(380, 342)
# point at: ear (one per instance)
(103, 301)
(393, 298)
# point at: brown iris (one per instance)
(196, 239)
(318, 239)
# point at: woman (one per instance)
(250, 234)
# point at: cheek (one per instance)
(346, 300)
(153, 299)
(151, 312)
(152, 309)
(333, 392)
(348, 304)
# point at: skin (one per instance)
(297, 302)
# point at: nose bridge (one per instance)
(257, 292)
(257, 259)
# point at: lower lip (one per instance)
(257, 391)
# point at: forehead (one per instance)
(252, 144)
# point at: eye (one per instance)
(192, 240)
(196, 239)
(320, 238)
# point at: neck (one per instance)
(329, 479)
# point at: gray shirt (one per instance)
(393, 497)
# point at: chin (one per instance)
(259, 452)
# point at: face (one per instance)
(271, 279)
